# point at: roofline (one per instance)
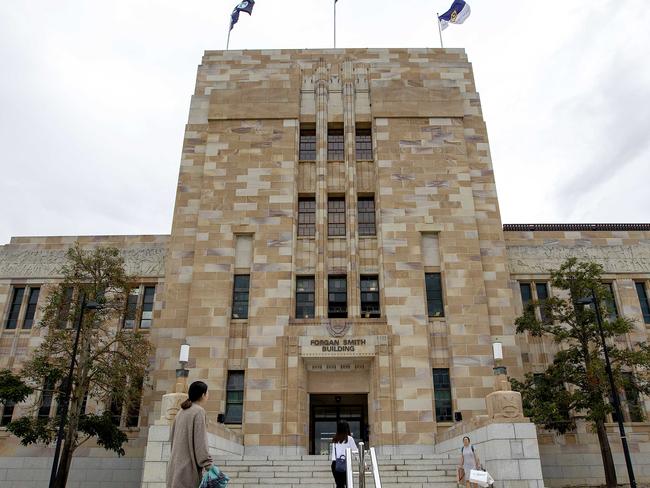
(573, 227)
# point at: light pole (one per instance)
(68, 386)
(616, 400)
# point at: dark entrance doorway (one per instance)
(325, 411)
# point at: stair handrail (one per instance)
(362, 465)
(348, 467)
(375, 468)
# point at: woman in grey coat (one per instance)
(189, 441)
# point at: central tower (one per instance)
(336, 250)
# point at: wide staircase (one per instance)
(403, 471)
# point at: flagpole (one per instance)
(439, 30)
(228, 41)
(335, 24)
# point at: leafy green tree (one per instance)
(577, 381)
(110, 364)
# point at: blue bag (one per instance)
(214, 478)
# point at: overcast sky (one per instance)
(94, 97)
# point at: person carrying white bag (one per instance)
(470, 469)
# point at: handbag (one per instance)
(480, 477)
(214, 478)
(461, 474)
(340, 465)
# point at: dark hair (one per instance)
(468, 439)
(196, 391)
(342, 433)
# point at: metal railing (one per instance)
(362, 467)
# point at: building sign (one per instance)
(337, 346)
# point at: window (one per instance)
(305, 297)
(610, 303)
(307, 145)
(306, 217)
(542, 295)
(240, 297)
(7, 413)
(634, 408)
(14, 310)
(131, 308)
(363, 145)
(335, 145)
(28, 322)
(64, 307)
(442, 394)
(433, 284)
(116, 412)
(147, 307)
(370, 297)
(366, 215)
(234, 397)
(526, 291)
(46, 399)
(643, 300)
(337, 300)
(133, 412)
(336, 216)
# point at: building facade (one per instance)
(337, 253)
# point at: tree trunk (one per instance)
(606, 453)
(64, 467)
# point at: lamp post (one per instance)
(68, 387)
(182, 373)
(497, 352)
(612, 385)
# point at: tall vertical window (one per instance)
(234, 397)
(133, 410)
(307, 217)
(335, 145)
(336, 216)
(305, 297)
(526, 291)
(116, 411)
(610, 302)
(442, 394)
(337, 297)
(433, 284)
(643, 300)
(363, 145)
(7, 413)
(131, 308)
(542, 295)
(64, 307)
(47, 397)
(14, 309)
(31, 308)
(632, 400)
(240, 297)
(307, 145)
(366, 216)
(147, 307)
(370, 296)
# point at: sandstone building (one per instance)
(337, 253)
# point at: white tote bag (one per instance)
(481, 478)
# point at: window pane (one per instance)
(147, 307)
(336, 216)
(131, 308)
(337, 297)
(542, 295)
(116, 412)
(7, 413)
(307, 145)
(240, 297)
(307, 217)
(133, 412)
(366, 216)
(305, 297)
(526, 294)
(643, 300)
(610, 302)
(363, 145)
(46, 399)
(634, 406)
(14, 309)
(31, 308)
(442, 394)
(335, 145)
(234, 397)
(433, 284)
(64, 309)
(370, 296)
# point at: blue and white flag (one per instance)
(245, 6)
(457, 14)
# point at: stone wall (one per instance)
(508, 451)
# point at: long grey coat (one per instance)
(189, 449)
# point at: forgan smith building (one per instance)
(337, 253)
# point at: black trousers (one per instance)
(339, 478)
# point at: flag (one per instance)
(245, 6)
(457, 14)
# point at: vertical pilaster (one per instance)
(322, 77)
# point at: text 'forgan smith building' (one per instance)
(337, 253)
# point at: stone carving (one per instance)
(337, 329)
(171, 404)
(503, 403)
(46, 263)
(615, 259)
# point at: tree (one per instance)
(110, 364)
(576, 381)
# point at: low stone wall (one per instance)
(574, 459)
(508, 450)
(221, 441)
